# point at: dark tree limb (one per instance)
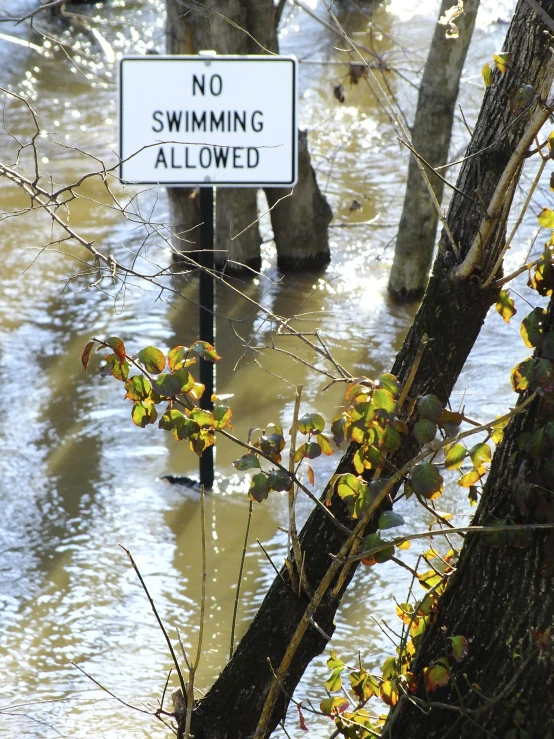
(451, 316)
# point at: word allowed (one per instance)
(220, 157)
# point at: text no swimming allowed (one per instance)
(207, 157)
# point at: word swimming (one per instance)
(220, 157)
(224, 121)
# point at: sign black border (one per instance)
(218, 58)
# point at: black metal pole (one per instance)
(206, 316)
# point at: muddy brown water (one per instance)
(77, 478)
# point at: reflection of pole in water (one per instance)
(206, 318)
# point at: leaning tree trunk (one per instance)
(501, 599)
(431, 134)
(451, 316)
(301, 219)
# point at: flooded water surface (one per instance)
(78, 478)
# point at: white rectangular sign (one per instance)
(200, 120)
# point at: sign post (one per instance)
(206, 327)
(205, 121)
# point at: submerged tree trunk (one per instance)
(451, 317)
(300, 219)
(431, 134)
(192, 29)
(299, 223)
(501, 599)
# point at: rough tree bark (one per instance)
(451, 316)
(501, 598)
(299, 221)
(431, 134)
(191, 29)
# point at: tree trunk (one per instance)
(299, 222)
(190, 30)
(451, 315)
(431, 134)
(501, 599)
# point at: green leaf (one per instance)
(425, 431)
(152, 359)
(502, 61)
(363, 413)
(487, 74)
(450, 422)
(202, 417)
(372, 541)
(115, 343)
(521, 375)
(348, 485)
(389, 668)
(247, 462)
(389, 520)
(222, 416)
(334, 662)
(506, 306)
(455, 455)
(313, 450)
(460, 647)
(480, 455)
(334, 683)
(538, 445)
(86, 354)
(532, 327)
(138, 387)
(426, 480)
(185, 429)
(383, 400)
(171, 419)
(389, 382)
(185, 380)
(168, 386)
(143, 413)
(391, 440)
(435, 677)
(547, 345)
(259, 487)
(542, 279)
(338, 429)
(364, 685)
(279, 480)
(335, 705)
(272, 445)
(325, 445)
(205, 351)
(429, 579)
(116, 367)
(384, 555)
(311, 422)
(430, 407)
(546, 218)
(389, 692)
(178, 358)
(469, 479)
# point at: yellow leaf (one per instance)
(487, 74)
(546, 218)
(502, 61)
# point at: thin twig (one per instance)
(194, 668)
(158, 619)
(239, 581)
